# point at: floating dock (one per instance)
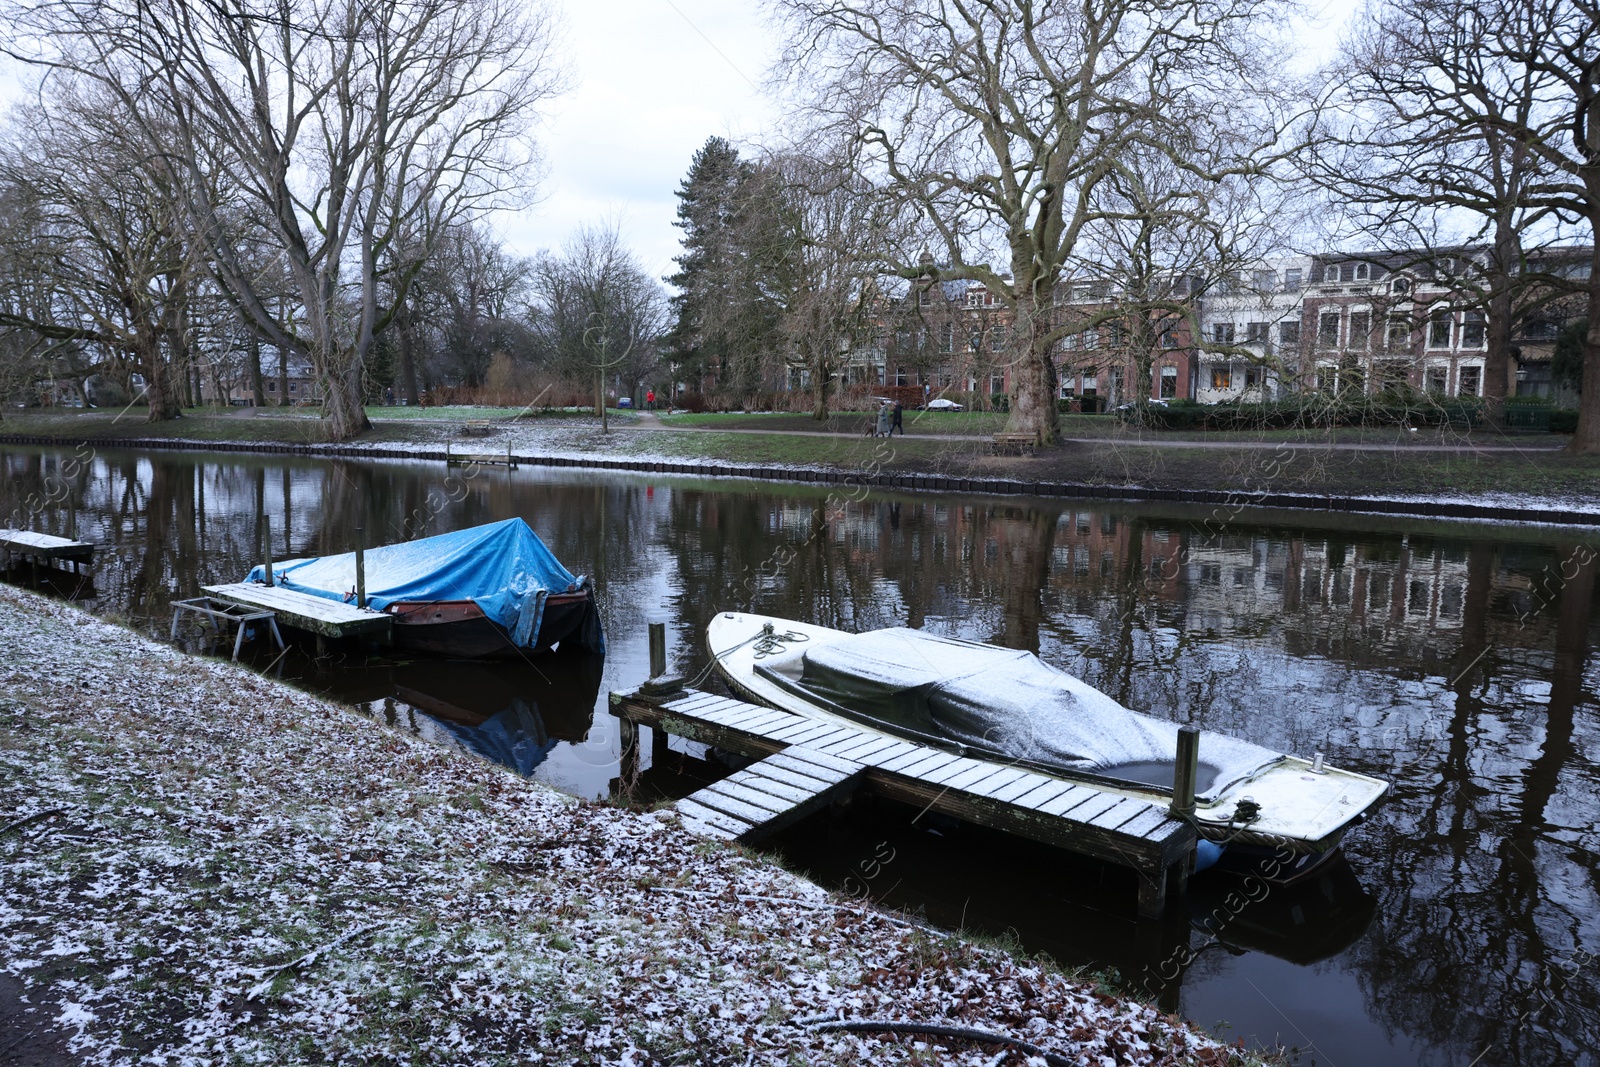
(805, 763)
(314, 614)
(44, 548)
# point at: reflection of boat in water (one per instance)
(487, 591)
(1005, 704)
(508, 711)
(1309, 921)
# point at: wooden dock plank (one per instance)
(945, 773)
(865, 745)
(742, 792)
(793, 774)
(989, 786)
(44, 546)
(1096, 804)
(319, 615)
(821, 759)
(1065, 802)
(1049, 789)
(784, 790)
(1114, 817)
(880, 757)
(934, 761)
(689, 809)
(753, 814)
(1141, 825)
(1024, 785)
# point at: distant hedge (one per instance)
(1315, 411)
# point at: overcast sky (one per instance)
(652, 79)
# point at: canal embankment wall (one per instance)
(1224, 503)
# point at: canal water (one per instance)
(1456, 660)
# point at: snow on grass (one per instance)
(201, 865)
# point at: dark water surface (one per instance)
(1456, 660)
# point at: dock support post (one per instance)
(658, 649)
(361, 569)
(1184, 779)
(266, 545)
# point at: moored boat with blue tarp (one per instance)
(487, 591)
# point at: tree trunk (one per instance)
(1033, 367)
(343, 415)
(283, 377)
(820, 379)
(1586, 440)
(408, 361)
(258, 388)
(159, 394)
(1504, 268)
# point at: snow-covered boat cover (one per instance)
(1009, 702)
(502, 567)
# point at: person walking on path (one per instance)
(883, 420)
(650, 400)
(899, 412)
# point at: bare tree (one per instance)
(345, 126)
(598, 313)
(995, 123)
(818, 240)
(104, 264)
(1417, 144)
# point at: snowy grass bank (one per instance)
(200, 865)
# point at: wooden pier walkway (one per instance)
(44, 548)
(315, 614)
(805, 763)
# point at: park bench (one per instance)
(1020, 443)
(477, 428)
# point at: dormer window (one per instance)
(1330, 273)
(1400, 286)
(1363, 272)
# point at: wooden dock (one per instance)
(805, 763)
(44, 548)
(314, 614)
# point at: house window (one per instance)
(975, 342)
(1289, 334)
(1114, 383)
(1264, 281)
(1328, 330)
(1169, 382)
(1222, 376)
(1330, 273)
(1438, 378)
(1439, 330)
(997, 338)
(1471, 381)
(1398, 336)
(1291, 280)
(924, 298)
(1252, 377)
(1400, 286)
(1222, 333)
(1363, 272)
(974, 299)
(997, 383)
(945, 377)
(1360, 327)
(1472, 330)
(1068, 387)
(1255, 333)
(272, 387)
(291, 387)
(947, 337)
(900, 376)
(1169, 336)
(1090, 382)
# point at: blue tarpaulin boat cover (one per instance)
(502, 567)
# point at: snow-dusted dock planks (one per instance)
(315, 614)
(1076, 816)
(44, 548)
(770, 794)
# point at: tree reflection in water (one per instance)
(1454, 659)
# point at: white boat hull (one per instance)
(1302, 810)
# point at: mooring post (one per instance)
(1183, 787)
(658, 649)
(266, 545)
(1183, 780)
(361, 570)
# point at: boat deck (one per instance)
(804, 763)
(315, 614)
